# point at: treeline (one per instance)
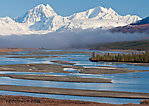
(133, 57)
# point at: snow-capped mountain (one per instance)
(100, 17)
(39, 13)
(43, 19)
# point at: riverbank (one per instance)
(34, 101)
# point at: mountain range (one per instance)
(43, 19)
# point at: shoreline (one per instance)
(134, 63)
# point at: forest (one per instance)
(131, 57)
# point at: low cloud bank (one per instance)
(62, 40)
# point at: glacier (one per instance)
(43, 19)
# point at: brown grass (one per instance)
(34, 101)
(12, 49)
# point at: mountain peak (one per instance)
(39, 13)
(100, 7)
(42, 6)
(103, 9)
(47, 10)
(96, 13)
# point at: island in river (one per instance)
(142, 57)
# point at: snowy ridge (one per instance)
(141, 26)
(43, 19)
(9, 26)
(142, 22)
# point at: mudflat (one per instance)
(63, 62)
(76, 92)
(107, 70)
(58, 78)
(60, 69)
(36, 68)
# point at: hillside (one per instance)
(132, 45)
(132, 29)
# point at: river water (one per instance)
(121, 82)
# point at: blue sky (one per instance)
(14, 8)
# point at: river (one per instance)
(120, 82)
